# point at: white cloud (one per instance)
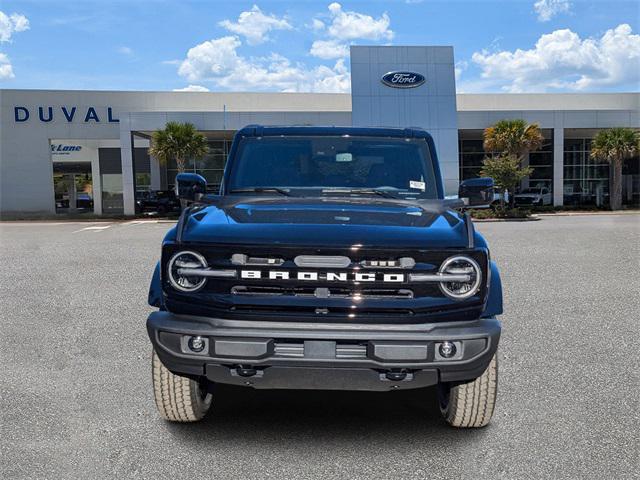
(10, 24)
(254, 25)
(317, 25)
(210, 59)
(192, 88)
(125, 51)
(562, 60)
(219, 62)
(6, 70)
(347, 25)
(460, 67)
(329, 49)
(547, 9)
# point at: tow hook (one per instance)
(246, 371)
(396, 375)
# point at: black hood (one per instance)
(330, 222)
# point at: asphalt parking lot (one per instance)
(75, 385)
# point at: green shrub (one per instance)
(500, 212)
(482, 214)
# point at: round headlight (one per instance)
(461, 290)
(186, 260)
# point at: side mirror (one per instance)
(190, 187)
(477, 192)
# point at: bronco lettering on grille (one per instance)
(323, 276)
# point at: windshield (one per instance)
(333, 164)
(531, 190)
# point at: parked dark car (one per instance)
(329, 260)
(160, 201)
(84, 201)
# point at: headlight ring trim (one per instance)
(476, 282)
(170, 266)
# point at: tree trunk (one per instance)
(512, 198)
(180, 165)
(615, 194)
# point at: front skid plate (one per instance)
(317, 378)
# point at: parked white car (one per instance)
(537, 196)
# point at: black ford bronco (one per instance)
(330, 259)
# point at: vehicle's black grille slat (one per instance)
(314, 310)
(332, 292)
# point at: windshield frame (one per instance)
(430, 166)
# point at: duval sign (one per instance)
(403, 79)
(69, 114)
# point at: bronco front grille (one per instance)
(378, 285)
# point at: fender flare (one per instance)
(155, 289)
(493, 306)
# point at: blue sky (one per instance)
(500, 46)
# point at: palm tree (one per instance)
(513, 140)
(179, 142)
(614, 146)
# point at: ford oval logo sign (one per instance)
(403, 79)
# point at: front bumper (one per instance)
(309, 355)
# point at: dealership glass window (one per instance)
(472, 154)
(471, 157)
(211, 166)
(541, 161)
(586, 181)
(112, 200)
(143, 182)
(631, 182)
(142, 164)
(111, 179)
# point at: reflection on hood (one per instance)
(335, 221)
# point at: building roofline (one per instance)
(311, 101)
(547, 101)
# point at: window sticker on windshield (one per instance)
(344, 157)
(416, 184)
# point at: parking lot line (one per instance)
(94, 228)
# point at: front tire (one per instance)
(178, 399)
(471, 405)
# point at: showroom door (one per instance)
(73, 187)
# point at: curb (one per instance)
(495, 220)
(572, 214)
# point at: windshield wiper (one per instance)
(362, 191)
(261, 190)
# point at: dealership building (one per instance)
(64, 151)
